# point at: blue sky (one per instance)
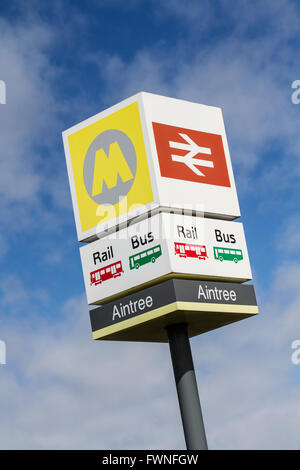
(65, 61)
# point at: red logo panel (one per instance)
(190, 155)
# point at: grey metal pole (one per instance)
(186, 385)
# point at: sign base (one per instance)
(145, 315)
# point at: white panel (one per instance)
(209, 198)
(185, 246)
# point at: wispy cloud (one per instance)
(33, 177)
(288, 237)
(67, 391)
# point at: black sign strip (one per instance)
(214, 292)
(168, 292)
(130, 306)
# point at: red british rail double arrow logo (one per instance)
(191, 155)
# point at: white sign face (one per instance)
(148, 152)
(165, 245)
(189, 150)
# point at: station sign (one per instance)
(144, 315)
(161, 247)
(148, 153)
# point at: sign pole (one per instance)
(186, 385)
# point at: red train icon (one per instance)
(107, 272)
(188, 250)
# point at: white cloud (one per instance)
(288, 236)
(16, 297)
(53, 257)
(272, 18)
(13, 291)
(28, 111)
(196, 16)
(81, 394)
(33, 176)
(67, 391)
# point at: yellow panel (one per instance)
(108, 168)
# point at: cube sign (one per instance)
(148, 152)
(161, 247)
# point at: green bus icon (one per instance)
(144, 257)
(226, 254)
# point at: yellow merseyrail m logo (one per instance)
(110, 167)
(107, 168)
